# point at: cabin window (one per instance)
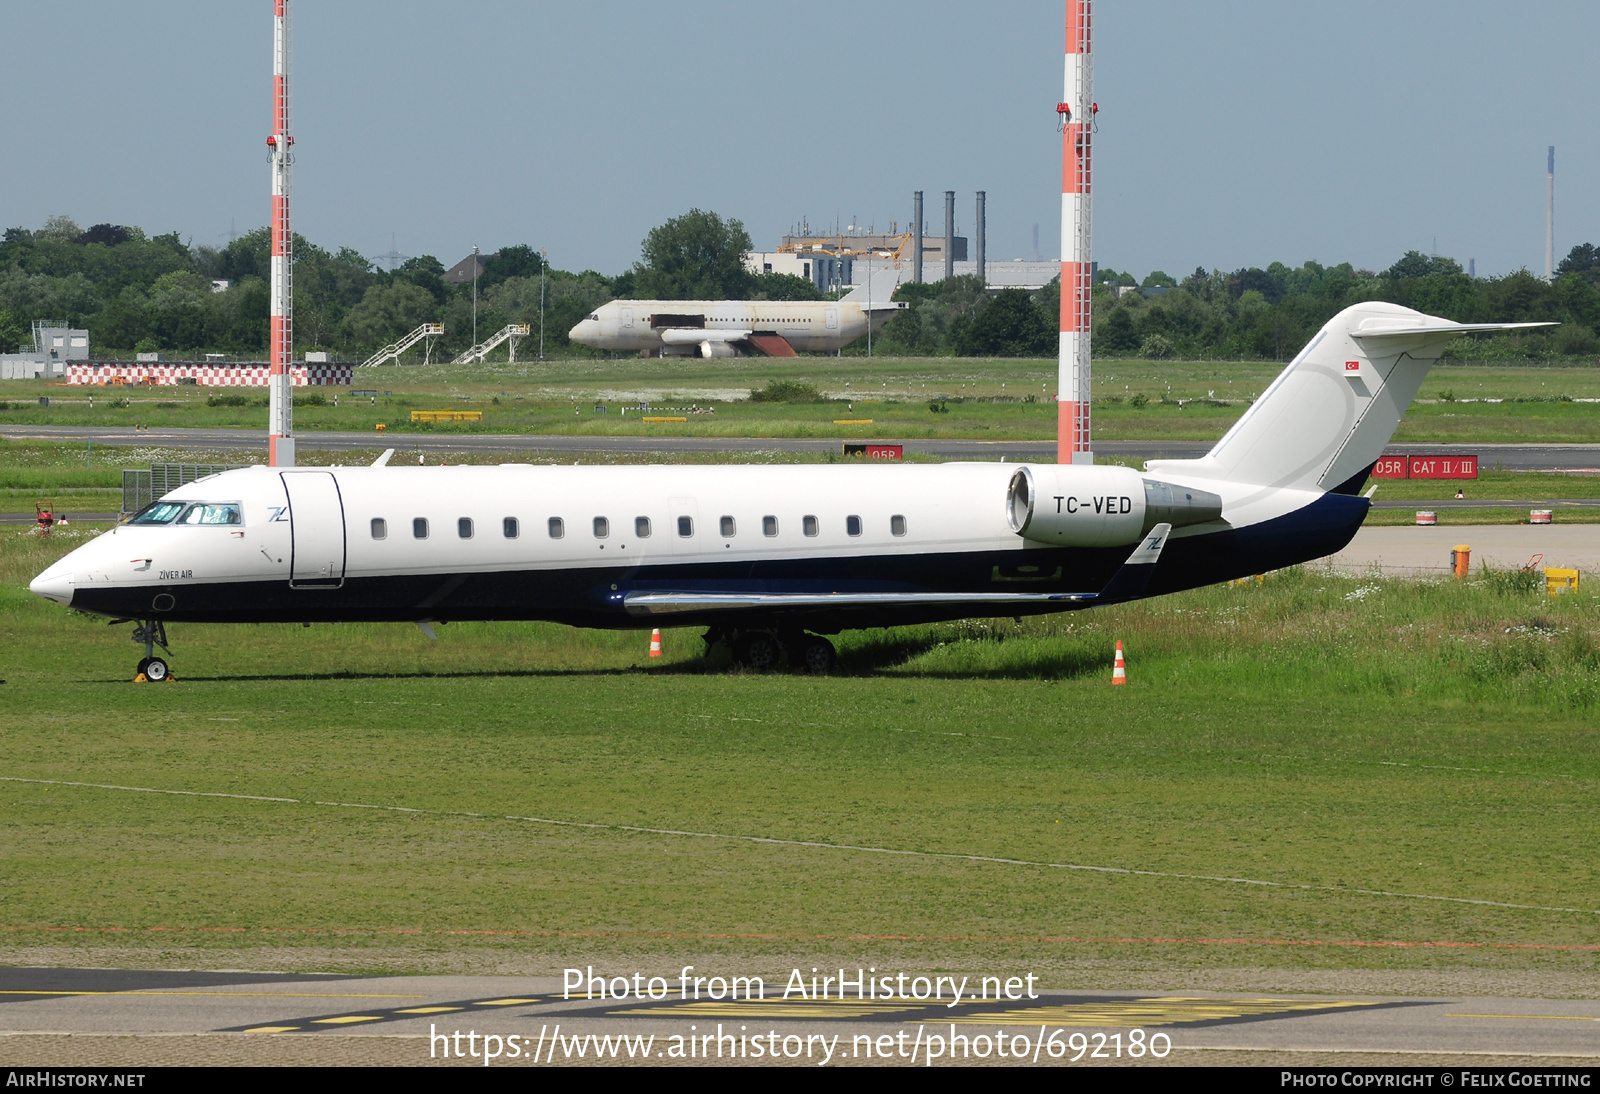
(557, 528)
(897, 526)
(641, 527)
(464, 527)
(728, 527)
(852, 526)
(380, 528)
(809, 526)
(602, 527)
(419, 527)
(769, 526)
(685, 527)
(509, 528)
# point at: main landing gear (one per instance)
(152, 669)
(766, 650)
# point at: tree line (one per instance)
(1254, 313)
(136, 292)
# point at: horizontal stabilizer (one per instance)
(1381, 331)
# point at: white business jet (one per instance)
(733, 328)
(770, 559)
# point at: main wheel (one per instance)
(818, 655)
(144, 663)
(759, 652)
(155, 670)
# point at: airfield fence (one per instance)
(140, 488)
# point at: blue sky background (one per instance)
(1231, 134)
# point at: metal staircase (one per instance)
(392, 352)
(509, 333)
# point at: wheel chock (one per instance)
(141, 678)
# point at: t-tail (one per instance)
(1325, 420)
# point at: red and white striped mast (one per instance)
(280, 431)
(1076, 113)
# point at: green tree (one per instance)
(14, 331)
(697, 256)
(520, 260)
(1158, 279)
(387, 312)
(779, 286)
(1009, 326)
(1117, 335)
(1583, 260)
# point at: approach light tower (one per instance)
(1076, 114)
(280, 146)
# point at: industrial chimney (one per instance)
(977, 239)
(949, 234)
(916, 236)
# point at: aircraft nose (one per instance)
(585, 332)
(54, 584)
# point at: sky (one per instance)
(1231, 134)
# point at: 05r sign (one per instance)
(1426, 467)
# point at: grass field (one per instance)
(1399, 764)
(982, 398)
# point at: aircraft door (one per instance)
(625, 319)
(830, 319)
(316, 530)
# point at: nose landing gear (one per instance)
(152, 669)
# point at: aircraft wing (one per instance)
(1128, 583)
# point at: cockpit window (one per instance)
(162, 512)
(594, 315)
(212, 512)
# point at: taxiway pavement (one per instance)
(41, 1008)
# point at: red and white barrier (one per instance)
(254, 375)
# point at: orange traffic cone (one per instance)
(1119, 671)
(655, 642)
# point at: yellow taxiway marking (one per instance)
(503, 1002)
(774, 1009)
(272, 1029)
(1551, 1017)
(426, 1010)
(1144, 1012)
(348, 1018)
(247, 994)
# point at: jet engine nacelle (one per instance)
(1073, 505)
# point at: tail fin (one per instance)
(1328, 416)
(883, 282)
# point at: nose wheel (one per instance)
(152, 669)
